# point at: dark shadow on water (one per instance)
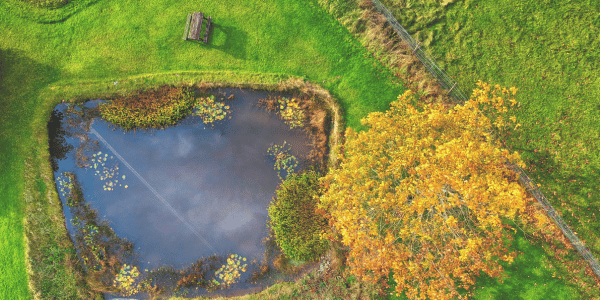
(185, 193)
(56, 139)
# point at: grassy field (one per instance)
(92, 48)
(86, 47)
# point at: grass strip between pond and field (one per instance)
(82, 51)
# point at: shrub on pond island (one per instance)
(149, 109)
(293, 218)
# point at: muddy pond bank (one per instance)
(184, 193)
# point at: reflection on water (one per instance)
(186, 192)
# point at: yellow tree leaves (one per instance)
(424, 193)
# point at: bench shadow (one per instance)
(228, 39)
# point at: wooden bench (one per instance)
(193, 27)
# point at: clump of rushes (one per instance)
(150, 109)
(211, 111)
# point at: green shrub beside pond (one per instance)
(293, 218)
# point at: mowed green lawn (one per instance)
(109, 41)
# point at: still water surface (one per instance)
(198, 190)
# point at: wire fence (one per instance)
(455, 91)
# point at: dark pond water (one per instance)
(185, 192)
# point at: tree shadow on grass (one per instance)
(21, 78)
(228, 39)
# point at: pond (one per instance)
(177, 195)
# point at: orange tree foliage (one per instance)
(425, 193)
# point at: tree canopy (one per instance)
(426, 193)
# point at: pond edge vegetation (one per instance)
(49, 247)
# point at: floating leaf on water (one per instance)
(99, 152)
(111, 157)
(126, 186)
(123, 177)
(105, 155)
(95, 166)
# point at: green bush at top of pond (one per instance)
(150, 109)
(294, 220)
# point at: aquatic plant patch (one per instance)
(284, 161)
(230, 272)
(289, 109)
(108, 174)
(210, 111)
(291, 112)
(125, 280)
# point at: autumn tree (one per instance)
(426, 193)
